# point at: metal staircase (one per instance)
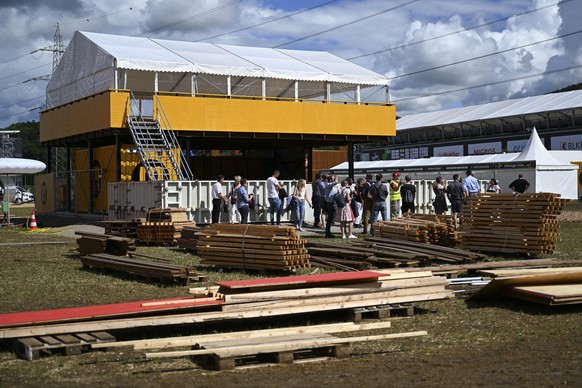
(157, 145)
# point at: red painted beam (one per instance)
(103, 311)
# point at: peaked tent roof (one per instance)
(181, 56)
(494, 110)
(535, 150)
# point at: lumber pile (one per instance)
(189, 238)
(385, 252)
(163, 226)
(264, 347)
(90, 243)
(254, 247)
(244, 299)
(423, 228)
(143, 268)
(548, 286)
(507, 223)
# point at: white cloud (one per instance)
(29, 25)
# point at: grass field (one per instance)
(46, 274)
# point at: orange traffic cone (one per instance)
(32, 225)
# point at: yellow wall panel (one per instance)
(237, 115)
(81, 179)
(99, 112)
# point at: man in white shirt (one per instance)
(273, 188)
(218, 198)
(472, 184)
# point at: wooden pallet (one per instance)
(31, 348)
(90, 243)
(123, 228)
(381, 312)
(227, 360)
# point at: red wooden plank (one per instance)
(99, 311)
(337, 277)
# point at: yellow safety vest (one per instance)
(394, 194)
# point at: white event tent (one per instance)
(545, 172)
(95, 62)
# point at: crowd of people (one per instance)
(350, 204)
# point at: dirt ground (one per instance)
(495, 343)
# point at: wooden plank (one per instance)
(158, 343)
(281, 346)
(497, 286)
(301, 280)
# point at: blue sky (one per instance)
(438, 53)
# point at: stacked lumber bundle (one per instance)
(548, 286)
(505, 223)
(143, 268)
(331, 291)
(429, 229)
(385, 252)
(90, 243)
(163, 226)
(256, 247)
(188, 237)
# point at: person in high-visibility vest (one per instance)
(395, 197)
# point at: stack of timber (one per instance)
(123, 228)
(252, 247)
(143, 268)
(507, 223)
(228, 351)
(385, 252)
(246, 299)
(548, 286)
(189, 238)
(90, 243)
(429, 229)
(163, 226)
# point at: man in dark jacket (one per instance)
(408, 194)
(520, 185)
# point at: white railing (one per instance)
(133, 199)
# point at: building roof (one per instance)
(181, 56)
(495, 110)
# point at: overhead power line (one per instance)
(458, 31)
(268, 21)
(347, 24)
(486, 55)
(189, 18)
(488, 84)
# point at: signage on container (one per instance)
(456, 150)
(567, 143)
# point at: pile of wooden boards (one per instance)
(424, 228)
(252, 247)
(235, 300)
(163, 226)
(548, 286)
(385, 252)
(90, 243)
(143, 268)
(188, 237)
(507, 223)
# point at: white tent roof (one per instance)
(20, 166)
(90, 61)
(534, 151)
(494, 110)
(180, 56)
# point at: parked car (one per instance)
(18, 194)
